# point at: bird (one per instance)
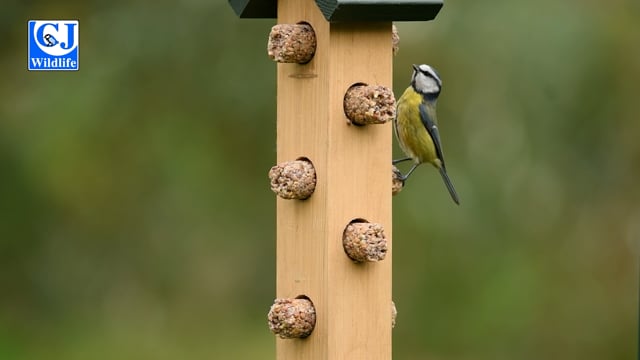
(416, 125)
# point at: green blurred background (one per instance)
(136, 220)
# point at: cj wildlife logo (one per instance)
(53, 45)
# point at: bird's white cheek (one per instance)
(426, 84)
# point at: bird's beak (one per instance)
(415, 67)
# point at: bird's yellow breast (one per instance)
(412, 135)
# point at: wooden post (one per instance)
(352, 301)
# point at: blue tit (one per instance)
(416, 126)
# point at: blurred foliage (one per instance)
(136, 221)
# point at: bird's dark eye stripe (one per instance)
(428, 73)
(431, 75)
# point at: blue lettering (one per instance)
(40, 32)
(69, 44)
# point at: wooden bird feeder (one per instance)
(346, 305)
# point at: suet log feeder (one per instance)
(369, 104)
(396, 180)
(292, 43)
(364, 241)
(323, 49)
(292, 318)
(293, 179)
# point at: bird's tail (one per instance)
(449, 185)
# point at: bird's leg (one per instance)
(397, 161)
(405, 177)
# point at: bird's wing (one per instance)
(432, 129)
